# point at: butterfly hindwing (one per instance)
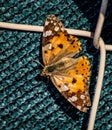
(73, 82)
(81, 68)
(74, 89)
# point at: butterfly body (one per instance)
(70, 76)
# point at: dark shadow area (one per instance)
(90, 10)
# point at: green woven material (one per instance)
(27, 101)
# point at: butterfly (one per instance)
(69, 75)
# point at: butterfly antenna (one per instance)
(38, 63)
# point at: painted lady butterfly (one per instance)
(70, 76)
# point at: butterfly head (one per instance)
(45, 72)
(48, 70)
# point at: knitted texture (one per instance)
(27, 101)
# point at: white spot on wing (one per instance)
(84, 101)
(64, 88)
(51, 21)
(46, 23)
(47, 33)
(50, 46)
(73, 98)
(79, 107)
(54, 24)
(54, 18)
(56, 28)
(82, 97)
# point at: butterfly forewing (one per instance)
(56, 41)
(51, 32)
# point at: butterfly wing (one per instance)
(57, 43)
(70, 78)
(73, 84)
(81, 68)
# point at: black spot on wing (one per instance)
(52, 48)
(60, 45)
(74, 81)
(45, 51)
(59, 86)
(72, 42)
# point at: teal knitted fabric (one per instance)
(27, 101)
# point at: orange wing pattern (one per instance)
(70, 76)
(57, 43)
(73, 84)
